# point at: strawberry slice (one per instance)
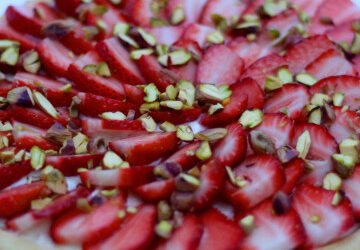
(263, 176)
(342, 32)
(5, 115)
(263, 67)
(18, 199)
(330, 63)
(69, 164)
(139, 12)
(274, 231)
(5, 88)
(192, 10)
(186, 237)
(167, 34)
(78, 227)
(306, 51)
(26, 42)
(308, 6)
(50, 88)
(351, 187)
(323, 221)
(54, 56)
(219, 65)
(293, 171)
(156, 191)
(149, 147)
(137, 232)
(232, 148)
(176, 117)
(55, 208)
(11, 173)
(348, 85)
(220, 233)
(94, 105)
(290, 99)
(278, 128)
(111, 129)
(322, 147)
(185, 156)
(119, 61)
(122, 177)
(68, 6)
(197, 33)
(256, 96)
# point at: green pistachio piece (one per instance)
(117, 116)
(163, 229)
(37, 157)
(203, 152)
(248, 223)
(209, 92)
(285, 75)
(32, 62)
(149, 106)
(215, 37)
(272, 83)
(306, 79)
(251, 118)
(178, 15)
(186, 92)
(10, 56)
(212, 134)
(185, 133)
(355, 46)
(171, 92)
(303, 144)
(90, 68)
(272, 8)
(215, 108)
(179, 57)
(101, 25)
(332, 181)
(338, 99)
(148, 122)
(80, 142)
(248, 24)
(318, 99)
(315, 116)
(344, 164)
(156, 22)
(304, 17)
(219, 21)
(167, 127)
(4, 44)
(66, 88)
(176, 105)
(136, 54)
(45, 105)
(152, 93)
(103, 69)
(162, 49)
(349, 147)
(148, 37)
(112, 160)
(121, 28)
(128, 40)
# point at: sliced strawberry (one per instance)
(351, 187)
(331, 221)
(343, 32)
(197, 33)
(308, 6)
(167, 35)
(78, 227)
(54, 56)
(68, 6)
(11, 173)
(248, 86)
(18, 199)
(253, 6)
(139, 12)
(185, 156)
(322, 147)
(119, 61)
(94, 105)
(137, 232)
(306, 51)
(149, 147)
(348, 85)
(176, 117)
(5, 115)
(293, 171)
(50, 88)
(134, 94)
(69, 164)
(220, 233)
(112, 130)
(232, 148)
(278, 128)
(121, 177)
(6, 32)
(263, 67)
(274, 231)
(192, 10)
(55, 208)
(186, 237)
(290, 99)
(264, 176)
(156, 191)
(5, 88)
(219, 65)
(330, 63)
(93, 83)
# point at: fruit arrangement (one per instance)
(181, 124)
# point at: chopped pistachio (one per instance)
(163, 60)
(127, 39)
(167, 127)
(101, 25)
(248, 24)
(306, 79)
(121, 28)
(247, 223)
(115, 1)
(272, 8)
(195, 171)
(6, 127)
(102, 69)
(332, 181)
(251, 118)
(4, 142)
(5, 43)
(83, 205)
(355, 46)
(118, 116)
(215, 108)
(21, 96)
(344, 108)
(131, 210)
(66, 88)
(344, 164)
(112, 160)
(74, 107)
(285, 75)
(179, 57)
(109, 193)
(152, 93)
(304, 17)
(203, 152)
(164, 210)
(10, 56)
(80, 143)
(90, 68)
(156, 22)
(344, 45)
(45, 105)
(303, 144)
(231, 175)
(178, 15)
(273, 33)
(336, 199)
(147, 107)
(37, 157)
(7, 156)
(215, 37)
(355, 26)
(349, 147)
(176, 105)
(163, 229)
(338, 99)
(185, 133)
(32, 62)
(251, 18)
(212, 134)
(148, 37)
(219, 21)
(186, 92)
(40, 203)
(171, 92)
(318, 99)
(316, 116)
(186, 183)
(148, 122)
(261, 143)
(315, 219)
(125, 164)
(209, 92)
(251, 37)
(162, 49)
(272, 83)
(136, 54)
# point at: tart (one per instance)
(179, 124)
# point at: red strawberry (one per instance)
(231, 112)
(50, 88)
(290, 99)
(255, 94)
(293, 171)
(351, 187)
(220, 233)
(78, 227)
(94, 105)
(119, 61)
(134, 94)
(192, 9)
(137, 232)
(11, 173)
(323, 221)
(348, 85)
(18, 199)
(176, 117)
(330, 63)
(5, 88)
(253, 6)
(306, 51)
(111, 130)
(55, 208)
(232, 148)
(139, 12)
(343, 32)
(278, 127)
(219, 65)
(69, 164)
(322, 147)
(54, 56)
(5, 115)
(68, 6)
(182, 157)
(167, 34)
(186, 237)
(274, 231)
(93, 83)
(308, 6)
(197, 33)
(6, 32)
(121, 177)
(156, 190)
(263, 67)
(264, 176)
(149, 147)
